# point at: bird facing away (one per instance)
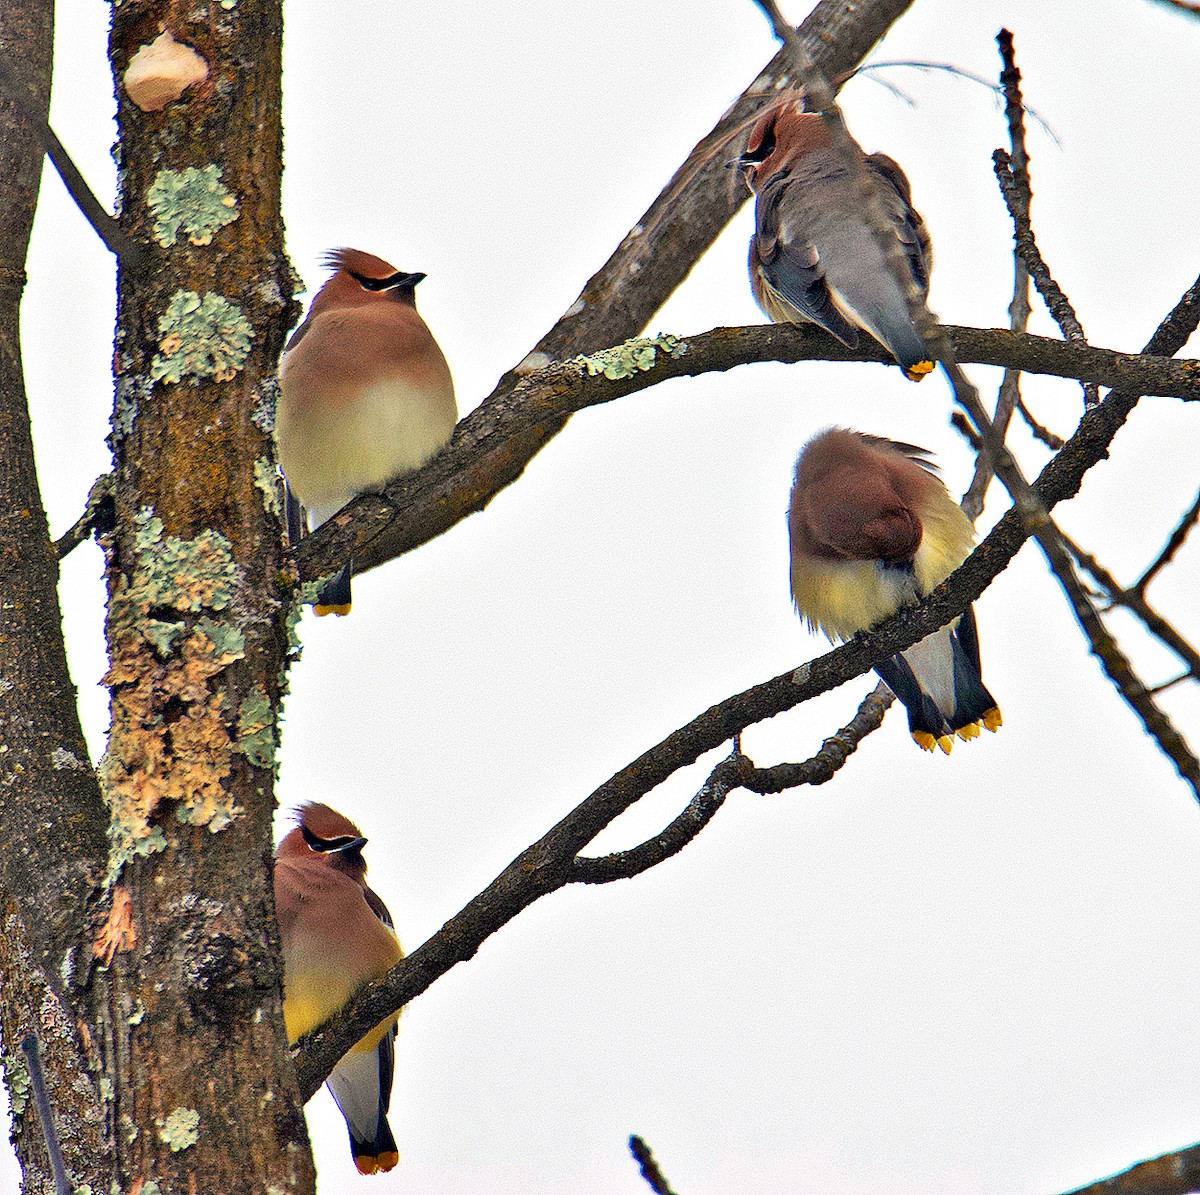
(337, 934)
(813, 256)
(365, 393)
(873, 529)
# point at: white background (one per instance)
(971, 975)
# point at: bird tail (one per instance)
(335, 597)
(865, 287)
(939, 683)
(362, 1086)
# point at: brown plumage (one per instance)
(337, 934)
(813, 256)
(365, 392)
(873, 529)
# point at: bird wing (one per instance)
(789, 262)
(909, 226)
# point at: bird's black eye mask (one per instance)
(397, 281)
(344, 842)
(761, 152)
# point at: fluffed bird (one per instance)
(337, 934)
(814, 256)
(873, 529)
(365, 392)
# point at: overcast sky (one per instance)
(968, 976)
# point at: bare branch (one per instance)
(97, 511)
(1175, 1173)
(1044, 434)
(546, 865)
(834, 752)
(1135, 601)
(733, 772)
(1052, 294)
(132, 255)
(1173, 545)
(376, 528)
(649, 1167)
(1009, 396)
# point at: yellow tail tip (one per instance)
(341, 610)
(992, 719)
(946, 742)
(916, 372)
(924, 740)
(380, 1164)
(970, 731)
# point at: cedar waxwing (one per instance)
(337, 934)
(365, 393)
(813, 255)
(873, 529)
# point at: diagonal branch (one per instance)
(132, 255)
(548, 864)
(621, 297)
(1176, 1173)
(376, 528)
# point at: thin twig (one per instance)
(654, 1177)
(1173, 545)
(1134, 600)
(97, 512)
(1009, 396)
(41, 1097)
(1044, 434)
(1029, 506)
(1052, 294)
(130, 253)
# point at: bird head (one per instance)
(780, 137)
(360, 278)
(324, 834)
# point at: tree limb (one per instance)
(547, 865)
(376, 528)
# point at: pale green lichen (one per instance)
(256, 730)
(165, 708)
(195, 201)
(227, 640)
(267, 478)
(163, 635)
(16, 1079)
(181, 1130)
(204, 337)
(138, 1015)
(150, 1187)
(639, 355)
(185, 574)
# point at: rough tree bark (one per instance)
(140, 941)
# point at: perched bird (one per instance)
(365, 393)
(813, 256)
(873, 529)
(337, 934)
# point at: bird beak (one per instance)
(355, 844)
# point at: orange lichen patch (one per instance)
(162, 71)
(117, 933)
